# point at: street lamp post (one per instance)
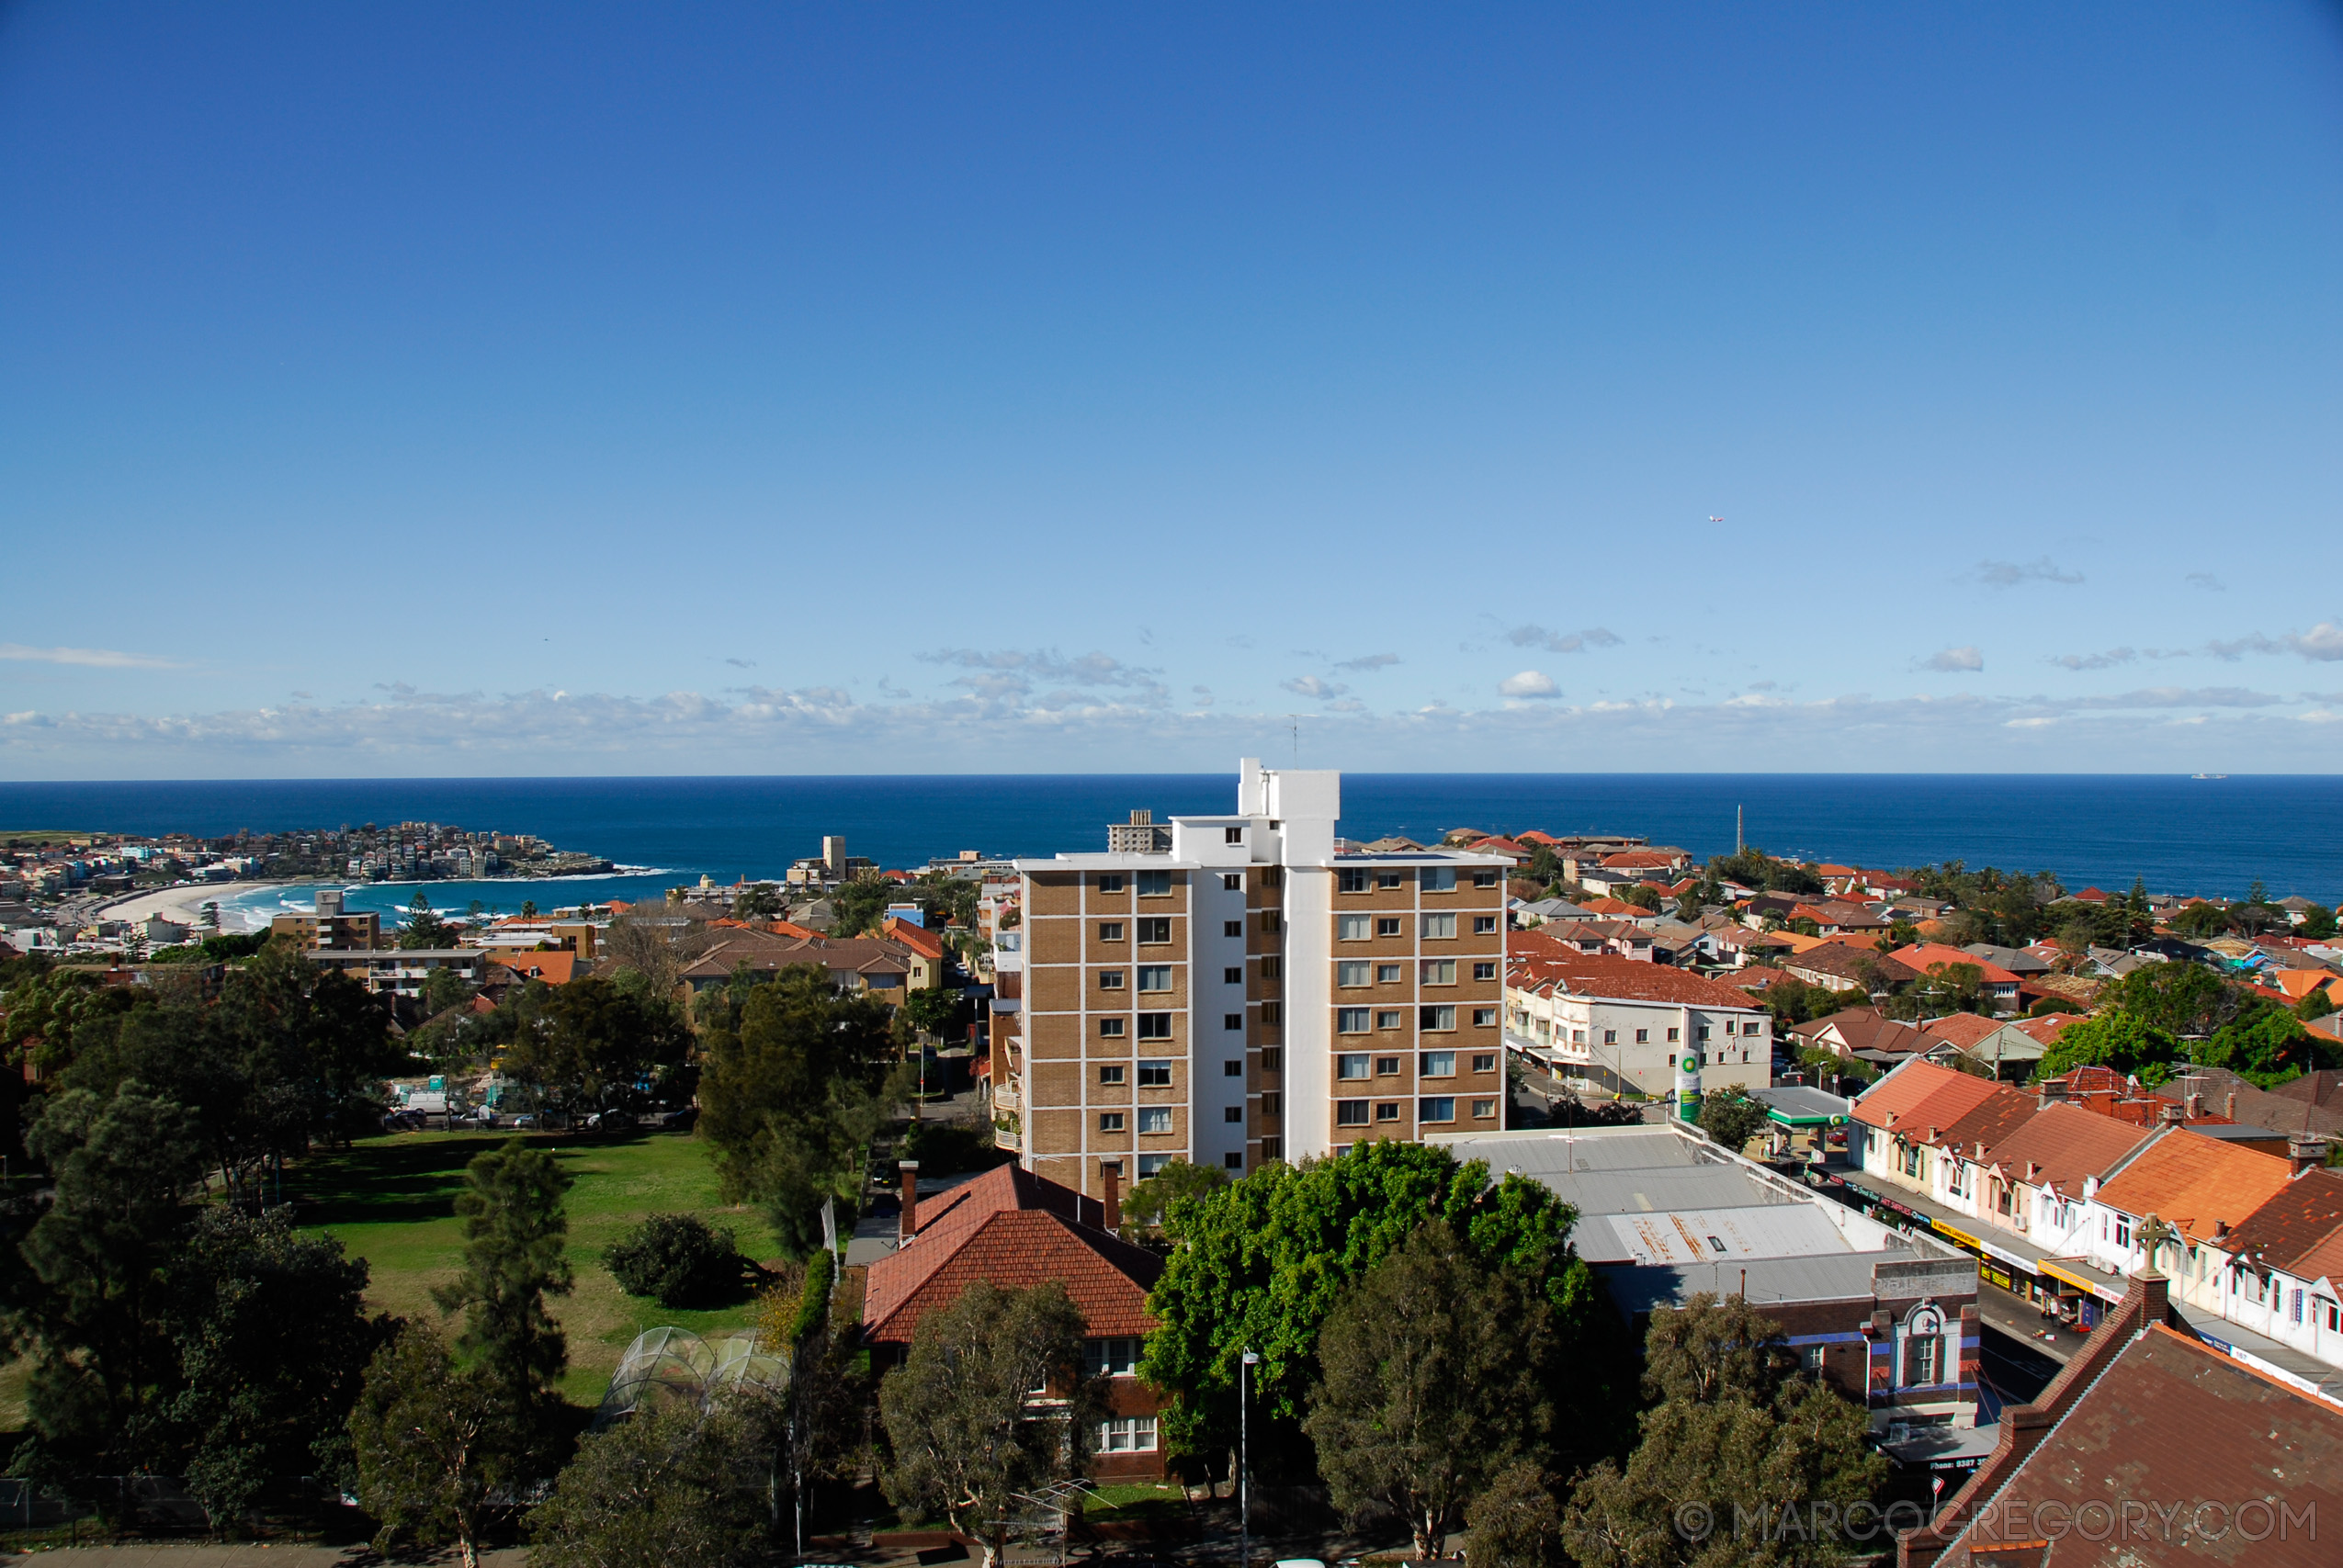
(1244, 1464)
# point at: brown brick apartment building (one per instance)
(1233, 989)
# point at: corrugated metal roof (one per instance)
(1713, 1236)
(1844, 1277)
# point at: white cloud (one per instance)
(1312, 687)
(2207, 581)
(2323, 643)
(1563, 642)
(91, 657)
(1966, 659)
(1010, 671)
(1370, 662)
(1529, 684)
(2107, 660)
(2010, 573)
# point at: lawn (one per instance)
(391, 1200)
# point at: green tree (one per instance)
(677, 1484)
(1435, 1380)
(2111, 1039)
(962, 1417)
(515, 1236)
(316, 1032)
(273, 1338)
(423, 928)
(2315, 1004)
(1515, 1522)
(529, 908)
(796, 1082)
(2265, 1048)
(761, 902)
(1642, 895)
(678, 1260)
(594, 1042)
(1752, 867)
(432, 1443)
(2201, 920)
(859, 906)
(2181, 999)
(1736, 1434)
(2318, 923)
(1149, 1200)
(1260, 1263)
(1731, 1118)
(99, 1261)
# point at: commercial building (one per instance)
(1245, 988)
(404, 972)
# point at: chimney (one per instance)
(2172, 1115)
(908, 1225)
(2196, 1106)
(1110, 1173)
(2305, 1150)
(2221, 1235)
(2052, 1091)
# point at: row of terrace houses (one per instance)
(2062, 1198)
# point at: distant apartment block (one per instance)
(329, 926)
(1233, 989)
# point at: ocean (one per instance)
(2182, 835)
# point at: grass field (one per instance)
(392, 1201)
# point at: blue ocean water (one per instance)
(2183, 835)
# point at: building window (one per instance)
(1919, 1361)
(1439, 971)
(1232, 1021)
(1232, 1114)
(1643, 1036)
(1484, 925)
(1352, 972)
(1438, 928)
(1437, 879)
(1673, 1035)
(1270, 1104)
(1155, 1074)
(1151, 1165)
(1154, 884)
(1390, 1017)
(1350, 1113)
(1485, 971)
(1387, 925)
(1436, 1018)
(1703, 1031)
(1155, 1026)
(1232, 836)
(1155, 977)
(1388, 973)
(1155, 1118)
(1439, 1108)
(1748, 1029)
(1610, 1037)
(1232, 1160)
(1233, 976)
(1485, 1062)
(1351, 1064)
(1270, 1014)
(1110, 1358)
(1110, 1029)
(1351, 1021)
(1155, 931)
(1112, 1073)
(1386, 879)
(1351, 928)
(1272, 968)
(1579, 1037)
(1232, 928)
(1388, 1111)
(1386, 1067)
(1110, 931)
(1109, 1121)
(1437, 1065)
(1350, 880)
(1484, 1109)
(1111, 979)
(1271, 1060)
(1813, 1355)
(1110, 882)
(1272, 1148)
(1234, 1067)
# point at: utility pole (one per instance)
(1737, 832)
(1244, 1464)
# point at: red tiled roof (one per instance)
(1016, 1230)
(2064, 1143)
(1538, 835)
(928, 944)
(1639, 860)
(1919, 1094)
(2303, 1213)
(1612, 906)
(1922, 956)
(1611, 978)
(2194, 1183)
(1963, 1029)
(553, 968)
(1996, 1118)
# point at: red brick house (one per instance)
(1018, 1230)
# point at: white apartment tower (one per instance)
(1241, 988)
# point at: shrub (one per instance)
(678, 1260)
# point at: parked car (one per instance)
(525, 1119)
(681, 1120)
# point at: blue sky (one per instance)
(449, 390)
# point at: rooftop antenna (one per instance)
(1294, 721)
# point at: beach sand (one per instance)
(183, 904)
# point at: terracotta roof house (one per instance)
(2196, 1184)
(1919, 1100)
(557, 968)
(2217, 1089)
(872, 963)
(1839, 966)
(1995, 981)
(2324, 1087)
(1852, 1032)
(2147, 1411)
(1017, 1230)
(2064, 1147)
